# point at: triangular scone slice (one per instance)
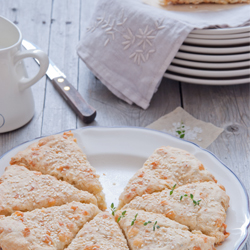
(155, 231)
(101, 233)
(25, 190)
(60, 156)
(200, 206)
(45, 229)
(166, 167)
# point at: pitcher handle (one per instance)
(42, 57)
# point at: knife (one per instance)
(86, 113)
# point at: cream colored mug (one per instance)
(16, 99)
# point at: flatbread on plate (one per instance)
(25, 190)
(101, 233)
(60, 156)
(155, 231)
(45, 229)
(200, 206)
(166, 167)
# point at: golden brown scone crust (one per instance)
(25, 190)
(101, 233)
(166, 167)
(45, 229)
(60, 156)
(209, 216)
(170, 234)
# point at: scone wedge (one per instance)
(200, 206)
(25, 190)
(166, 167)
(101, 233)
(60, 156)
(45, 229)
(155, 231)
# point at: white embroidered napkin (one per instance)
(129, 45)
(183, 125)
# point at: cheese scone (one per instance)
(166, 167)
(101, 233)
(60, 156)
(200, 206)
(166, 2)
(155, 231)
(25, 190)
(45, 229)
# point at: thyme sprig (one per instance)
(133, 221)
(121, 216)
(172, 190)
(181, 130)
(147, 222)
(156, 226)
(192, 198)
(113, 209)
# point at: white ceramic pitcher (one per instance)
(16, 99)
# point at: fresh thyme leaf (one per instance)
(172, 190)
(195, 203)
(191, 196)
(133, 221)
(181, 197)
(158, 226)
(121, 216)
(147, 222)
(185, 195)
(181, 130)
(113, 209)
(154, 226)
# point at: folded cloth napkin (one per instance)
(129, 45)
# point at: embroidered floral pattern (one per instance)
(141, 41)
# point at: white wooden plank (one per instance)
(58, 116)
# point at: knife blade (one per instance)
(85, 112)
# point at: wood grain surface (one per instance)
(56, 27)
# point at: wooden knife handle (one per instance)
(74, 99)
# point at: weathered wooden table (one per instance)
(55, 26)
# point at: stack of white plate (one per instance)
(213, 56)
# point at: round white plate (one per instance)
(219, 31)
(201, 65)
(203, 81)
(209, 73)
(215, 51)
(217, 42)
(117, 153)
(213, 58)
(226, 36)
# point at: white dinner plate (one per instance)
(203, 81)
(220, 42)
(219, 31)
(201, 65)
(117, 153)
(226, 36)
(209, 73)
(215, 51)
(213, 58)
